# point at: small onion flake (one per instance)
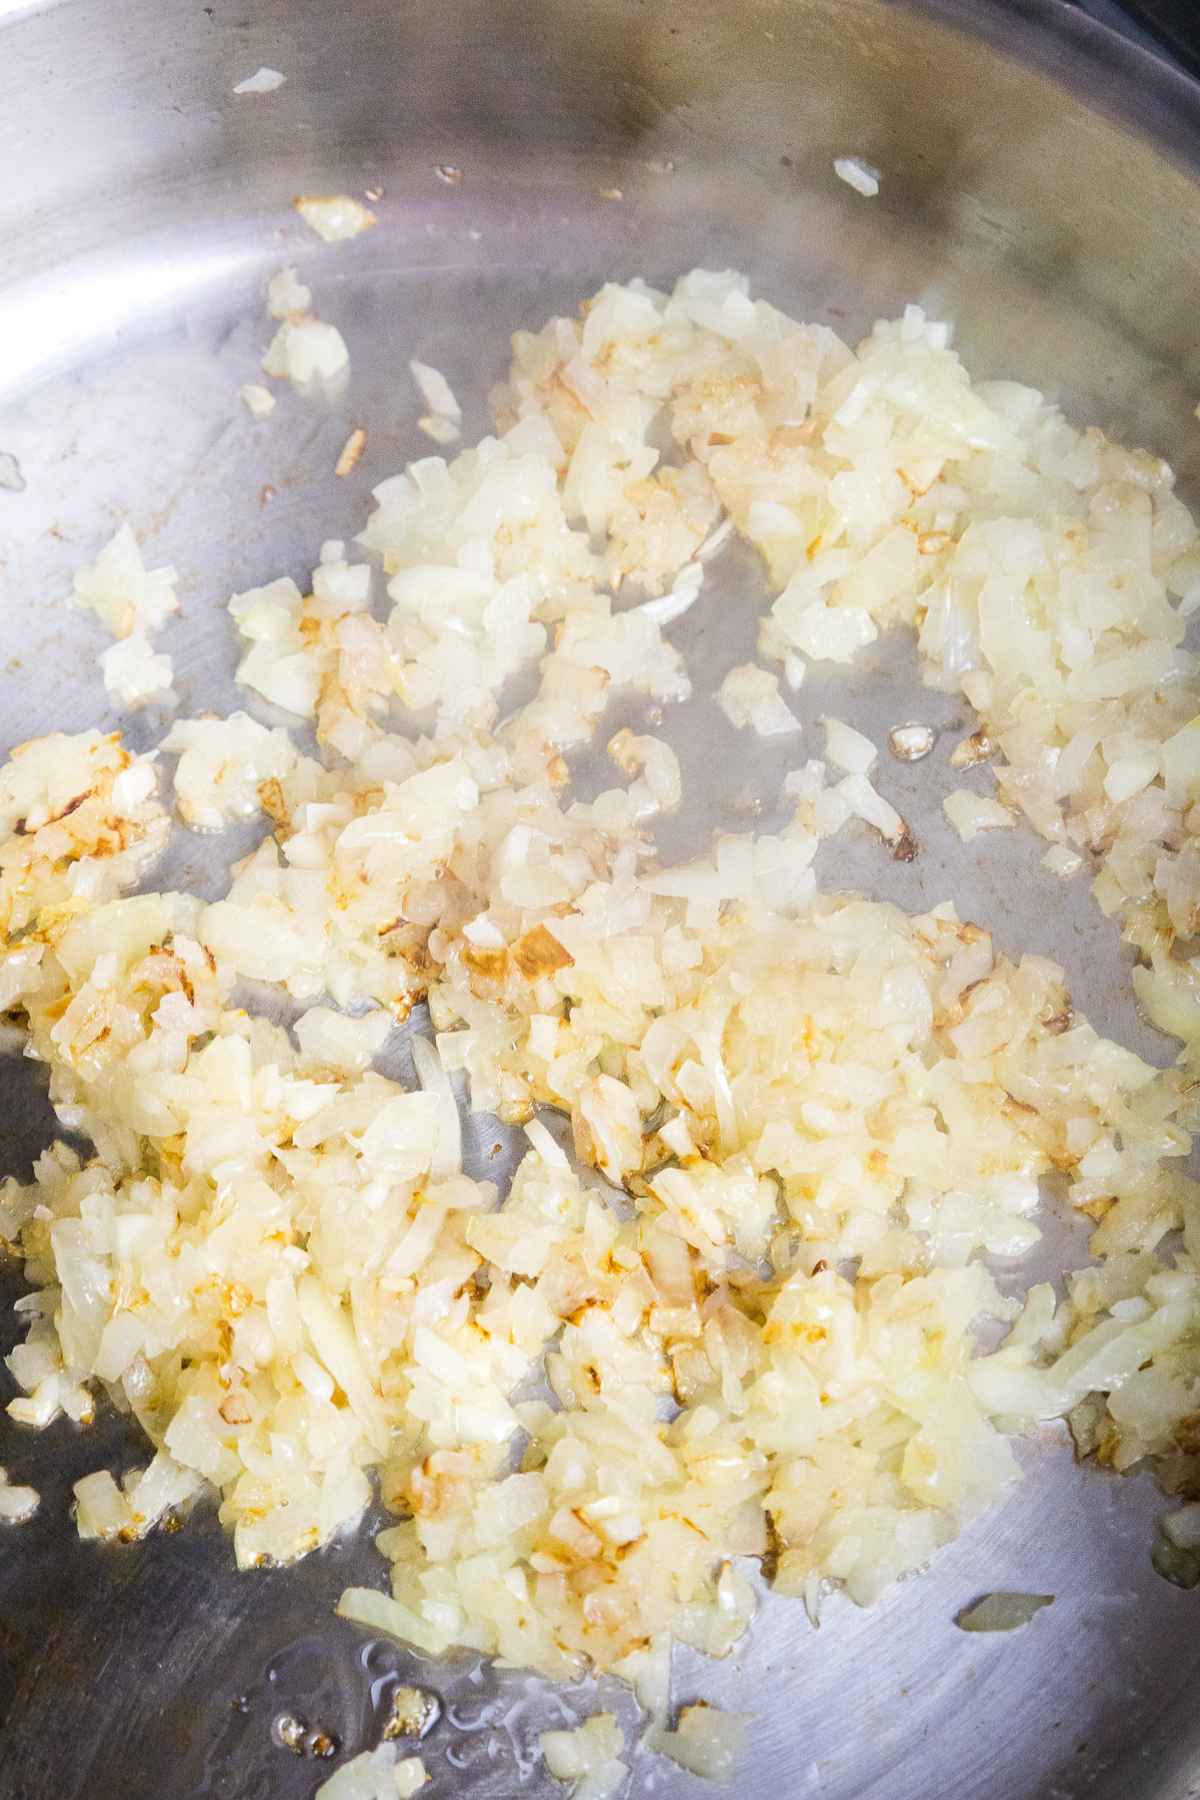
(1001, 1612)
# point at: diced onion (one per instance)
(334, 217)
(1002, 1612)
(757, 1287)
(857, 174)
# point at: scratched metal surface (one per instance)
(150, 208)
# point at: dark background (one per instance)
(1170, 26)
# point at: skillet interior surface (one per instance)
(150, 207)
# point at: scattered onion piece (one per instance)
(706, 1741)
(750, 696)
(971, 813)
(258, 401)
(1002, 1612)
(351, 452)
(848, 749)
(287, 295)
(263, 81)
(334, 217)
(16, 1503)
(857, 174)
(305, 350)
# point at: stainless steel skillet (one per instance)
(1039, 188)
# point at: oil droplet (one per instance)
(293, 1734)
(522, 1739)
(375, 1655)
(289, 1732)
(464, 1722)
(415, 1712)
